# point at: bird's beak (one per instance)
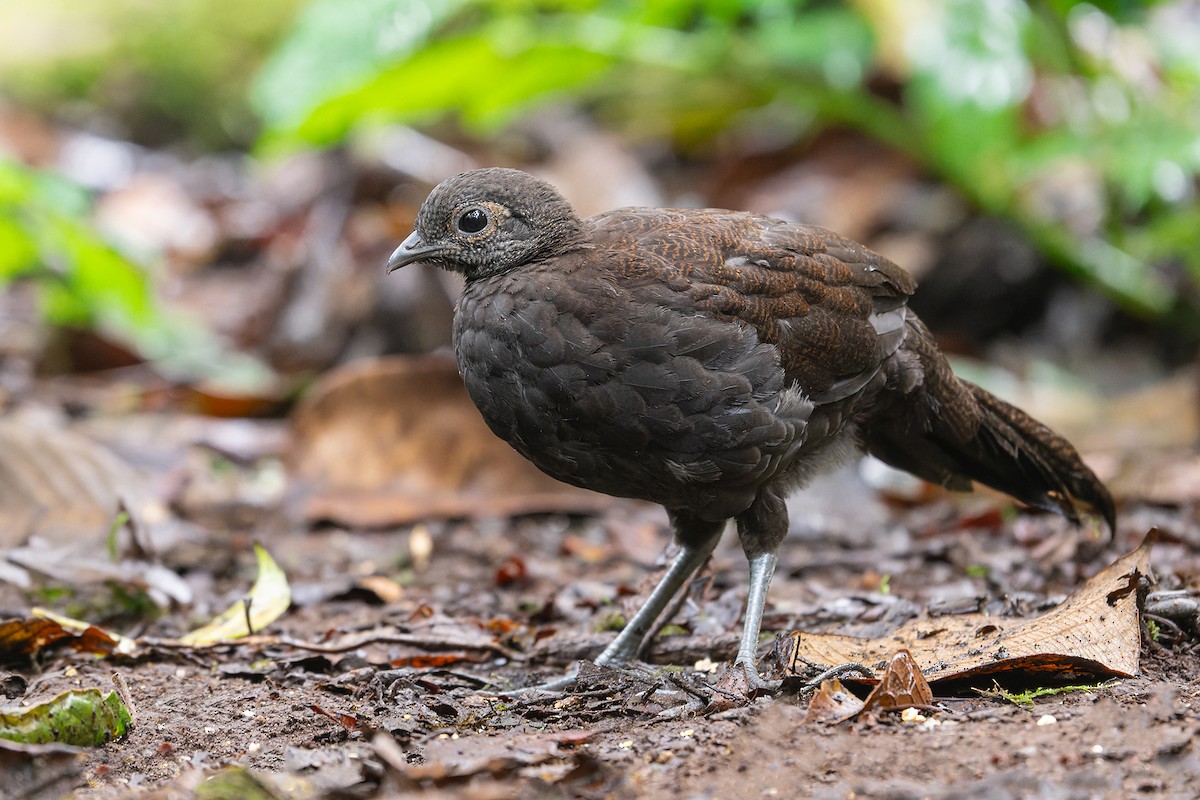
(411, 249)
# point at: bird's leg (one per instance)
(761, 529)
(762, 568)
(698, 540)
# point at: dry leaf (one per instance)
(348, 722)
(65, 500)
(386, 589)
(1095, 632)
(40, 770)
(732, 689)
(269, 598)
(1163, 478)
(437, 660)
(462, 757)
(396, 440)
(23, 639)
(91, 638)
(1141, 444)
(62, 487)
(832, 703)
(901, 686)
(1159, 417)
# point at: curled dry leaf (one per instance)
(832, 703)
(384, 588)
(901, 686)
(732, 689)
(395, 440)
(91, 638)
(349, 722)
(269, 598)
(24, 638)
(1095, 633)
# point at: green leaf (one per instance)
(84, 280)
(236, 783)
(455, 75)
(834, 43)
(268, 600)
(970, 144)
(18, 251)
(973, 52)
(84, 718)
(336, 46)
(1123, 276)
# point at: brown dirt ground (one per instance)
(311, 724)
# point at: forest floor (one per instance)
(446, 614)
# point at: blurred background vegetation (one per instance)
(1074, 125)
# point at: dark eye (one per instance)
(473, 221)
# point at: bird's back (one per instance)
(832, 307)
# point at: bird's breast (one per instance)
(613, 392)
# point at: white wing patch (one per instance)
(695, 471)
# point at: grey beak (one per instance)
(411, 249)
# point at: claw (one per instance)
(737, 686)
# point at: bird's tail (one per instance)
(950, 431)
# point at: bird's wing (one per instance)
(834, 309)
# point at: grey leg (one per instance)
(629, 641)
(761, 528)
(697, 538)
(762, 568)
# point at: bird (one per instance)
(712, 361)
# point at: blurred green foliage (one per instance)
(82, 281)
(46, 238)
(158, 73)
(1079, 122)
(683, 69)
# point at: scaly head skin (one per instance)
(488, 221)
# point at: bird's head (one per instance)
(488, 221)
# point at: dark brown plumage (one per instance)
(711, 361)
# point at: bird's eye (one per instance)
(473, 221)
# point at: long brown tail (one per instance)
(950, 431)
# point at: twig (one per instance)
(246, 601)
(419, 642)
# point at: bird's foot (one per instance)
(581, 678)
(631, 678)
(553, 687)
(737, 686)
